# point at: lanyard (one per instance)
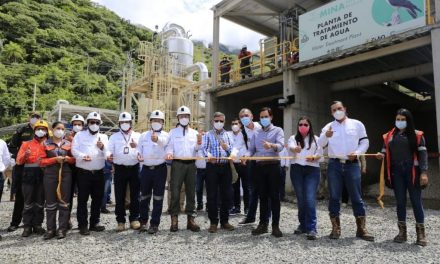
(126, 140)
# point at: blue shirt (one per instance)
(271, 134)
(212, 147)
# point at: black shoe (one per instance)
(153, 229)
(38, 230)
(276, 232)
(49, 235)
(61, 233)
(105, 211)
(199, 207)
(27, 231)
(261, 229)
(246, 221)
(97, 228)
(298, 231)
(311, 235)
(234, 211)
(12, 228)
(84, 231)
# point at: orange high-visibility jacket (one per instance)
(37, 149)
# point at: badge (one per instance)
(126, 150)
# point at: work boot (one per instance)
(402, 236)
(49, 234)
(191, 224)
(261, 229)
(153, 229)
(174, 223)
(212, 228)
(120, 227)
(336, 227)
(27, 231)
(84, 231)
(228, 226)
(97, 228)
(135, 225)
(421, 237)
(39, 230)
(362, 231)
(276, 232)
(143, 228)
(61, 233)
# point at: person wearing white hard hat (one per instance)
(123, 153)
(184, 142)
(89, 147)
(154, 171)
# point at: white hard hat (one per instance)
(77, 118)
(125, 116)
(157, 114)
(94, 115)
(183, 110)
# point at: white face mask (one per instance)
(338, 115)
(94, 128)
(235, 128)
(219, 125)
(184, 121)
(125, 127)
(156, 126)
(58, 133)
(77, 128)
(40, 133)
(33, 121)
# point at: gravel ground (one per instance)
(238, 246)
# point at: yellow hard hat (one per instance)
(41, 123)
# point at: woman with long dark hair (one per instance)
(305, 175)
(406, 159)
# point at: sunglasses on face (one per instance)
(304, 125)
(94, 122)
(219, 121)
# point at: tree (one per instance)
(13, 52)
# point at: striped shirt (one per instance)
(212, 147)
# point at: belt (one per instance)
(92, 171)
(344, 161)
(218, 164)
(154, 166)
(128, 166)
(32, 165)
(185, 161)
(270, 162)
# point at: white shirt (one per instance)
(84, 144)
(284, 162)
(5, 156)
(239, 146)
(250, 134)
(348, 137)
(182, 145)
(119, 144)
(300, 158)
(153, 153)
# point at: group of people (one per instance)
(49, 168)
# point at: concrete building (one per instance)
(373, 80)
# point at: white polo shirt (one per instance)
(348, 137)
(153, 153)
(182, 144)
(83, 144)
(119, 146)
(5, 156)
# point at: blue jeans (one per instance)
(107, 189)
(200, 179)
(402, 182)
(349, 174)
(305, 180)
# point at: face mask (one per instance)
(401, 124)
(40, 133)
(125, 127)
(58, 133)
(77, 128)
(265, 121)
(156, 126)
(303, 130)
(94, 128)
(219, 125)
(33, 121)
(245, 120)
(338, 115)
(235, 128)
(184, 121)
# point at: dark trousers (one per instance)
(243, 178)
(127, 175)
(17, 180)
(73, 186)
(90, 183)
(201, 178)
(53, 204)
(283, 171)
(268, 186)
(153, 181)
(253, 193)
(107, 189)
(218, 181)
(183, 172)
(2, 184)
(33, 196)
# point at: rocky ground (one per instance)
(238, 246)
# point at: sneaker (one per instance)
(234, 211)
(120, 227)
(135, 225)
(153, 230)
(246, 221)
(105, 211)
(97, 228)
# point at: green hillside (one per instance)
(71, 49)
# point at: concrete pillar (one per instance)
(210, 100)
(435, 40)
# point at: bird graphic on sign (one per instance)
(410, 7)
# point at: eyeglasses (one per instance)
(304, 125)
(219, 121)
(94, 122)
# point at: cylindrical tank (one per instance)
(182, 49)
